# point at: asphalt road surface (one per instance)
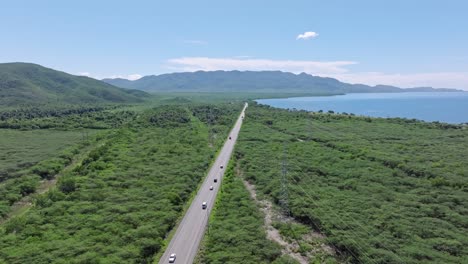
(190, 231)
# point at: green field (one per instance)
(27, 157)
(22, 149)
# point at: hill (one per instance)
(26, 83)
(252, 81)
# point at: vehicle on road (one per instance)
(203, 205)
(221, 166)
(172, 258)
(215, 180)
(229, 138)
(211, 188)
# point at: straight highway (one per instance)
(191, 229)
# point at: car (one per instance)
(172, 258)
(230, 138)
(215, 180)
(211, 188)
(221, 166)
(203, 205)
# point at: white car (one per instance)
(172, 258)
(203, 205)
(211, 188)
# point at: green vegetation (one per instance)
(217, 97)
(66, 117)
(22, 149)
(236, 233)
(126, 195)
(30, 156)
(31, 84)
(383, 191)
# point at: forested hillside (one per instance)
(32, 84)
(381, 190)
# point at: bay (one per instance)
(447, 107)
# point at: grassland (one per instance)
(22, 149)
(30, 158)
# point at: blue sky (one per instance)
(405, 43)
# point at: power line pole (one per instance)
(284, 194)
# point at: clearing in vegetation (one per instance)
(298, 241)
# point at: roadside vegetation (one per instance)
(126, 195)
(236, 233)
(382, 191)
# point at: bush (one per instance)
(49, 168)
(67, 184)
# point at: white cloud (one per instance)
(307, 35)
(131, 77)
(296, 66)
(334, 69)
(405, 80)
(134, 77)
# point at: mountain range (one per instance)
(27, 83)
(254, 81)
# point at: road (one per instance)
(191, 229)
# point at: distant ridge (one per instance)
(254, 81)
(27, 83)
